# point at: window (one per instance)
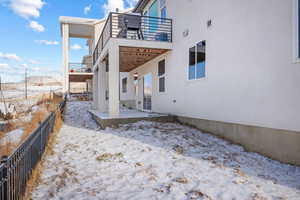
(192, 61)
(124, 85)
(161, 75)
(298, 29)
(162, 84)
(163, 9)
(106, 65)
(161, 68)
(196, 68)
(163, 12)
(106, 95)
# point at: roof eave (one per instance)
(140, 5)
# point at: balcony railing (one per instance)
(80, 67)
(134, 27)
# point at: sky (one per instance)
(30, 34)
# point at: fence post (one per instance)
(5, 177)
(41, 135)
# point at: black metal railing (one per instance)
(16, 169)
(80, 67)
(134, 27)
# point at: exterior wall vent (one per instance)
(186, 32)
(209, 23)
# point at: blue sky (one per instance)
(30, 33)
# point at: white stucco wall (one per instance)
(129, 95)
(98, 30)
(251, 76)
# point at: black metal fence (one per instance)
(133, 27)
(16, 169)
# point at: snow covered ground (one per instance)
(14, 137)
(148, 160)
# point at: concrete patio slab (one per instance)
(128, 116)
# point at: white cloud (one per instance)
(47, 42)
(24, 65)
(3, 65)
(27, 8)
(132, 3)
(87, 9)
(112, 5)
(10, 56)
(31, 61)
(35, 26)
(76, 47)
(35, 69)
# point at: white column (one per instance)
(113, 80)
(95, 89)
(65, 51)
(102, 87)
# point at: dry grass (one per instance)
(7, 148)
(36, 120)
(48, 103)
(108, 156)
(46, 106)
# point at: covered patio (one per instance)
(121, 55)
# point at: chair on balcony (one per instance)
(130, 23)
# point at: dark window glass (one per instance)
(192, 63)
(163, 12)
(106, 65)
(192, 72)
(197, 56)
(124, 85)
(106, 95)
(200, 68)
(298, 28)
(162, 84)
(161, 67)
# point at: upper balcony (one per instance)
(80, 72)
(133, 27)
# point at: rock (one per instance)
(178, 149)
(182, 180)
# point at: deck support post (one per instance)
(95, 89)
(113, 80)
(65, 51)
(102, 87)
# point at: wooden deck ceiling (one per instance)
(133, 57)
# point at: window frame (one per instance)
(163, 75)
(196, 62)
(296, 31)
(160, 86)
(124, 86)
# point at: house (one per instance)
(226, 67)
